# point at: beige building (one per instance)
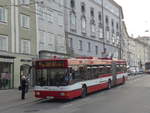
(17, 40)
(125, 43)
(146, 41)
(50, 29)
(134, 50)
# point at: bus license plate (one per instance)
(50, 97)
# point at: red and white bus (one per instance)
(147, 67)
(74, 77)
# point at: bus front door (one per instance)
(114, 76)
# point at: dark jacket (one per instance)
(23, 84)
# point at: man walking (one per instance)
(23, 87)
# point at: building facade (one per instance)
(45, 28)
(50, 28)
(93, 28)
(6, 59)
(17, 41)
(125, 44)
(146, 41)
(135, 50)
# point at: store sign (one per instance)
(6, 60)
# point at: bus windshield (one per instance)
(52, 77)
(147, 66)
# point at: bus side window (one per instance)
(122, 68)
(88, 73)
(100, 70)
(76, 74)
(96, 71)
(108, 69)
(105, 70)
(93, 74)
(125, 68)
(118, 69)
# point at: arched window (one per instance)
(93, 29)
(112, 23)
(83, 24)
(73, 21)
(92, 12)
(107, 20)
(117, 33)
(72, 4)
(100, 17)
(83, 7)
(107, 23)
(117, 26)
(112, 26)
(107, 29)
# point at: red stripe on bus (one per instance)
(97, 87)
(74, 93)
(120, 72)
(105, 75)
(69, 94)
(57, 94)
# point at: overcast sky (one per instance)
(136, 16)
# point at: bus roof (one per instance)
(85, 61)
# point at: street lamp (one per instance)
(104, 49)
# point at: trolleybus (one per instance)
(147, 67)
(76, 77)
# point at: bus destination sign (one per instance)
(52, 64)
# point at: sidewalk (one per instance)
(12, 97)
(131, 77)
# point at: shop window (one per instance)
(6, 75)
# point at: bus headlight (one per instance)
(37, 93)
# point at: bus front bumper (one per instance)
(57, 94)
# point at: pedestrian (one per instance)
(27, 84)
(23, 87)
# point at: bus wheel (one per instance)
(109, 84)
(83, 91)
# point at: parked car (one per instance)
(132, 70)
(141, 71)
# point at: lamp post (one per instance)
(104, 49)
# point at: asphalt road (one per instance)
(133, 97)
